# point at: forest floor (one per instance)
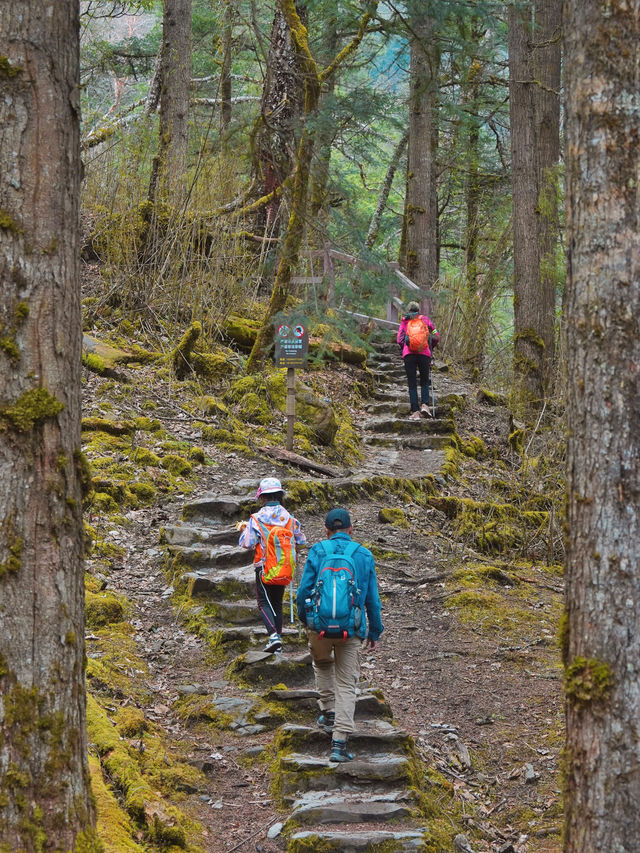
(469, 657)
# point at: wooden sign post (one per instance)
(291, 349)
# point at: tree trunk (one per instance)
(225, 70)
(420, 260)
(548, 20)
(280, 113)
(175, 76)
(528, 299)
(313, 81)
(602, 648)
(44, 777)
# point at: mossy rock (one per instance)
(104, 503)
(95, 424)
(144, 492)
(103, 608)
(393, 515)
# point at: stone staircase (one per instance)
(371, 803)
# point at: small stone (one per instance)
(529, 774)
(275, 830)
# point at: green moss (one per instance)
(11, 349)
(197, 454)
(103, 608)
(21, 312)
(144, 492)
(94, 363)
(8, 223)
(102, 502)
(393, 515)
(13, 562)
(8, 68)
(144, 456)
(118, 428)
(587, 681)
(130, 722)
(201, 709)
(212, 406)
(176, 465)
(147, 424)
(30, 409)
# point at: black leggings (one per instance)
(269, 597)
(414, 362)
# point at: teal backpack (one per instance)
(334, 607)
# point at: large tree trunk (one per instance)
(169, 173)
(420, 258)
(44, 778)
(602, 649)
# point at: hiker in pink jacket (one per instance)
(415, 335)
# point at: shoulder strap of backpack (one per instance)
(351, 549)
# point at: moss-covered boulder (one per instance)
(241, 330)
(102, 608)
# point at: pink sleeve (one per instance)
(402, 331)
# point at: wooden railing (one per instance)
(394, 303)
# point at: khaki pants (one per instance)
(336, 664)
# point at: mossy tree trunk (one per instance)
(534, 78)
(281, 107)
(602, 644)
(313, 81)
(44, 780)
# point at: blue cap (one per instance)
(337, 519)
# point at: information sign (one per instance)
(291, 343)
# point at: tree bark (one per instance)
(547, 52)
(175, 77)
(420, 258)
(44, 778)
(280, 113)
(225, 70)
(602, 648)
(527, 292)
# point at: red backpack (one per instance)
(279, 552)
(417, 337)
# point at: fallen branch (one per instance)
(300, 461)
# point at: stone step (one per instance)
(393, 407)
(216, 557)
(376, 841)
(418, 442)
(261, 668)
(367, 703)
(299, 772)
(211, 506)
(322, 807)
(191, 534)
(237, 612)
(238, 583)
(370, 736)
(403, 426)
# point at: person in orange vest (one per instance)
(416, 337)
(274, 533)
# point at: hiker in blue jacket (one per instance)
(336, 659)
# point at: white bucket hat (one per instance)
(269, 486)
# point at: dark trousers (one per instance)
(414, 363)
(269, 596)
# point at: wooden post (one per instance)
(291, 405)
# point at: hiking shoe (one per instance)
(339, 751)
(326, 720)
(274, 644)
(414, 416)
(426, 411)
